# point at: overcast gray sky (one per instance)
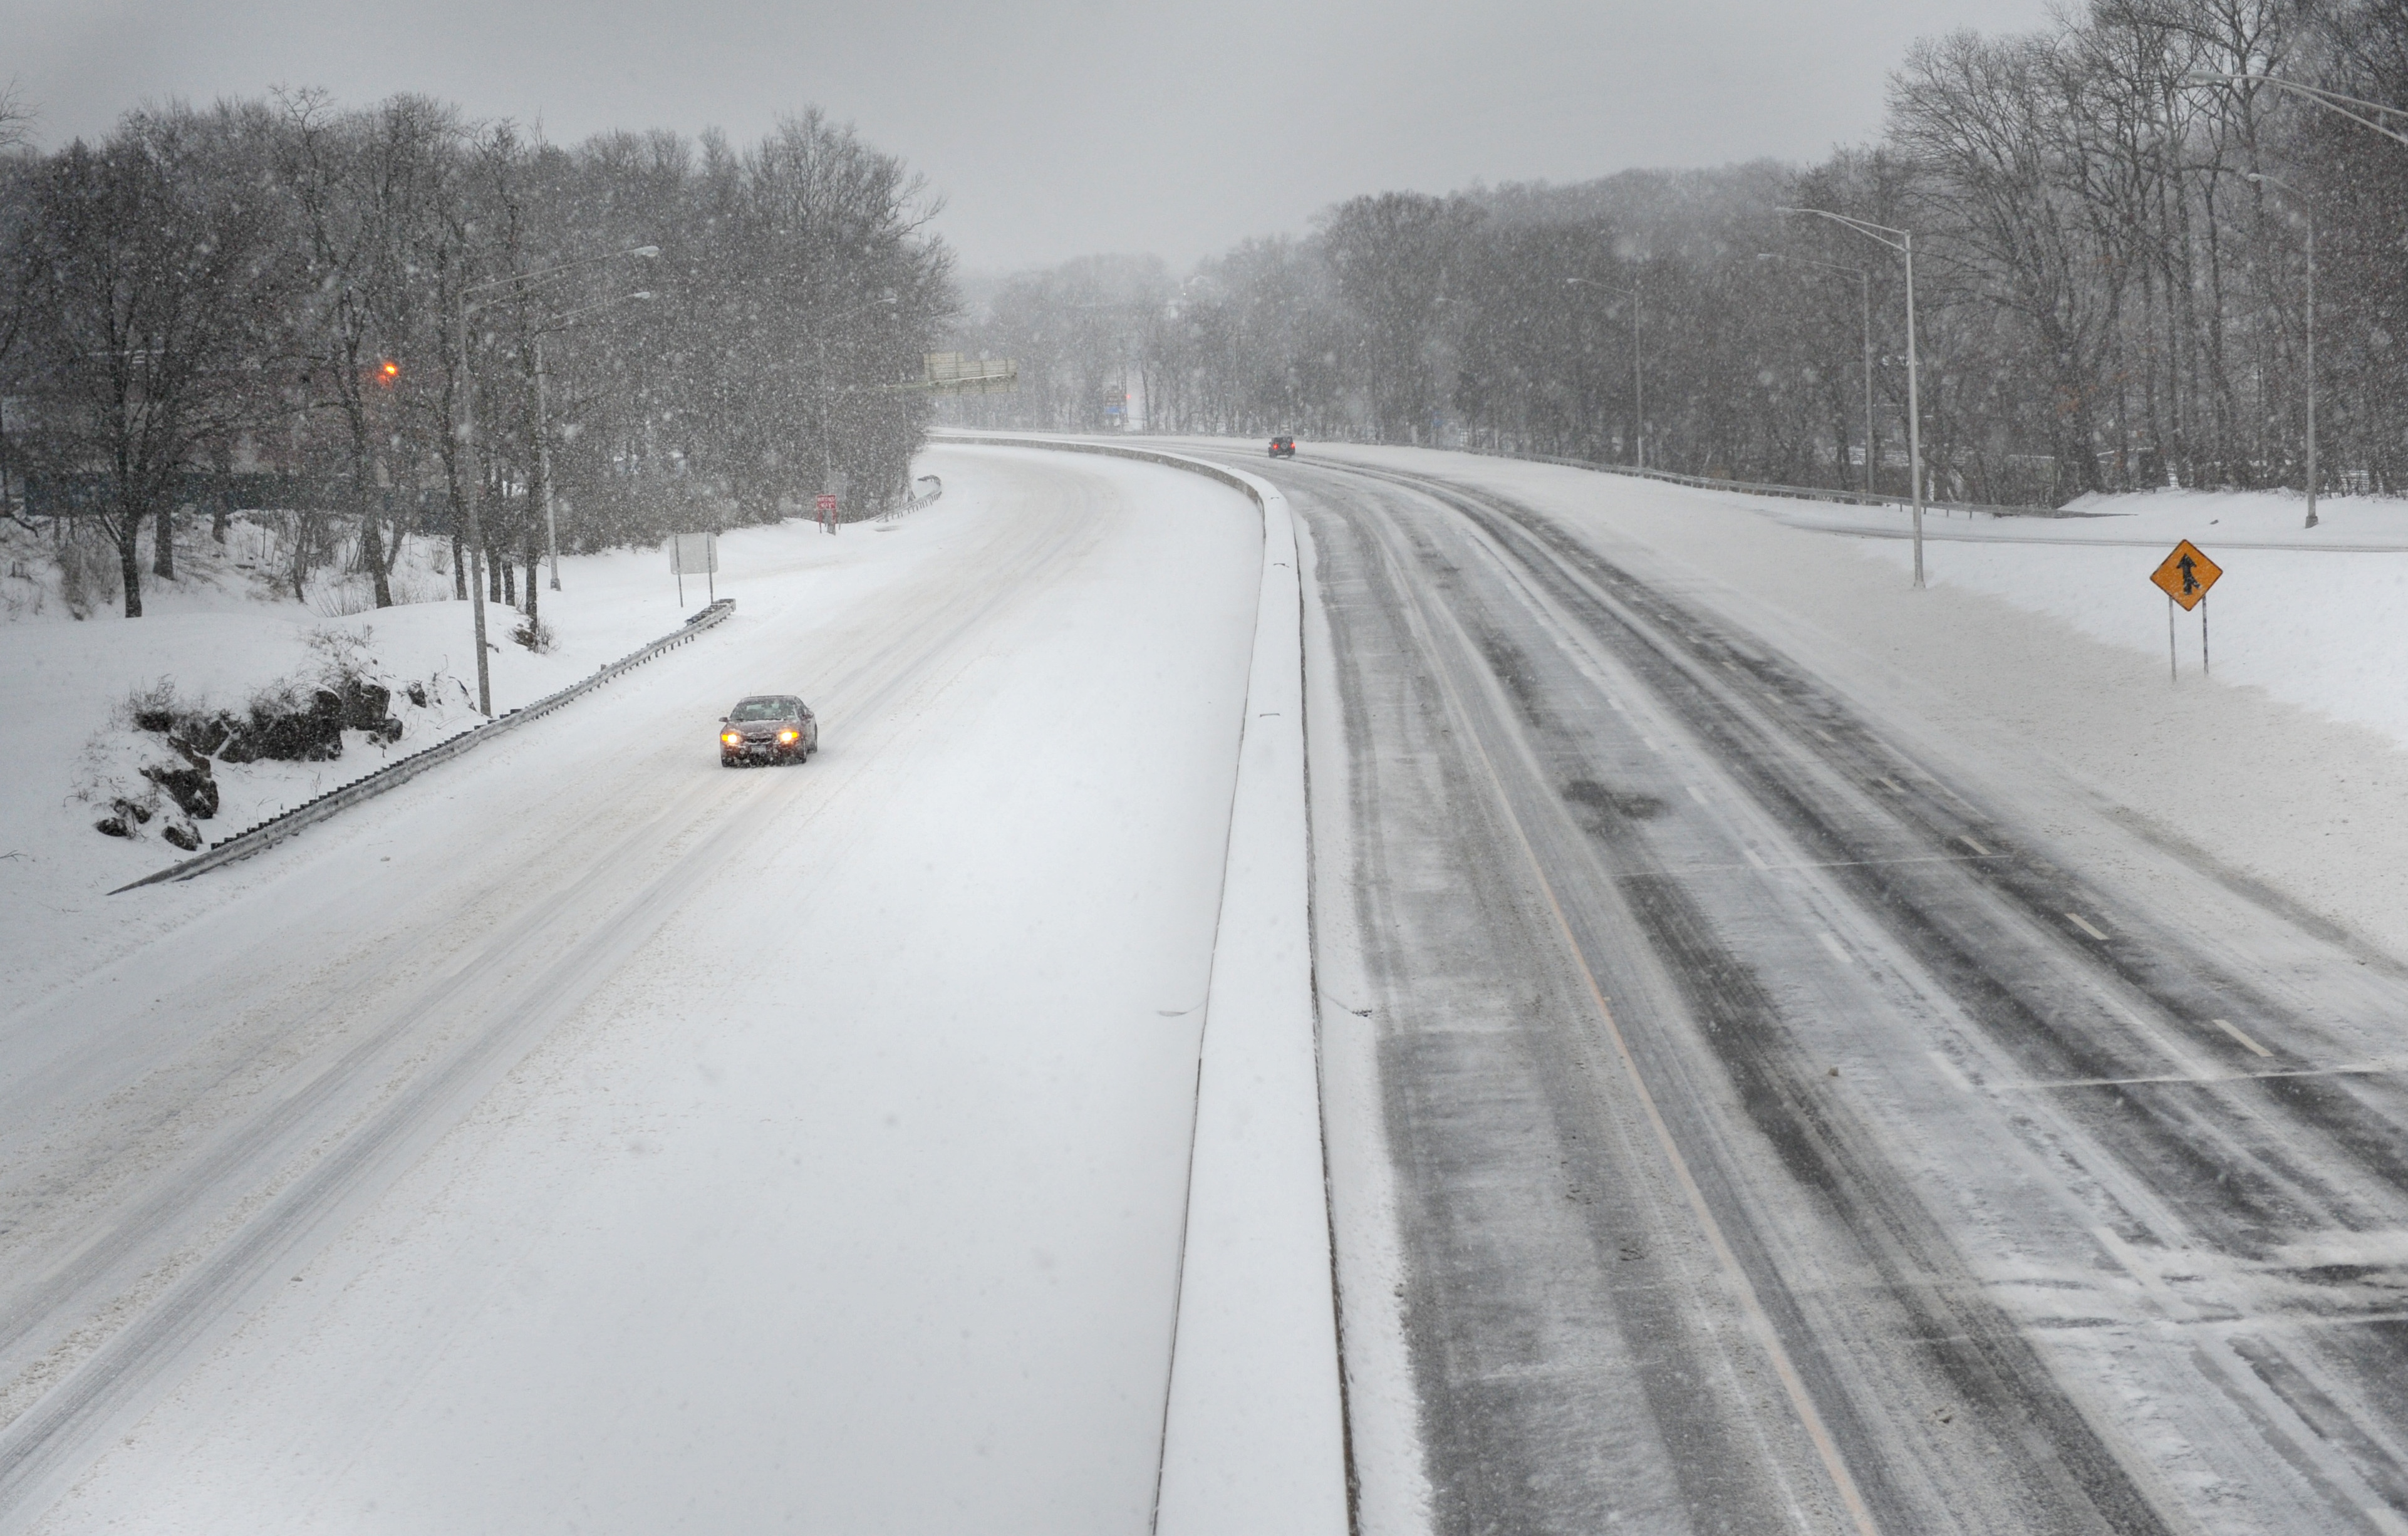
(1056, 128)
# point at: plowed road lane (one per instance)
(1797, 1122)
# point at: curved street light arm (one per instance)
(545, 274)
(2331, 101)
(1896, 239)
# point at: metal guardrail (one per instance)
(1702, 482)
(401, 770)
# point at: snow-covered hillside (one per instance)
(225, 633)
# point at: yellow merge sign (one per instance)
(2187, 575)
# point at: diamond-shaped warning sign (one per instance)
(2187, 575)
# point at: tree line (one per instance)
(2111, 242)
(392, 320)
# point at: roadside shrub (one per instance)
(88, 575)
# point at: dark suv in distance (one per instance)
(1283, 447)
(768, 728)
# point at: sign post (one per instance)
(2185, 577)
(695, 555)
(832, 488)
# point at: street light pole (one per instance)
(543, 436)
(2281, 185)
(544, 469)
(471, 500)
(2334, 102)
(1638, 372)
(470, 497)
(1865, 285)
(1902, 241)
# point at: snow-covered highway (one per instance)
(1795, 1102)
(1796, 1055)
(587, 1137)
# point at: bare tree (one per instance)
(154, 259)
(365, 187)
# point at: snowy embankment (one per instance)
(2042, 643)
(2314, 616)
(222, 635)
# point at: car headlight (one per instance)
(734, 739)
(789, 736)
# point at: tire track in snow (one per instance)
(281, 1176)
(2236, 1171)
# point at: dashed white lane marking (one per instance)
(1957, 1079)
(1838, 953)
(2227, 1026)
(1753, 858)
(2076, 919)
(1975, 846)
(1649, 742)
(1895, 789)
(1695, 793)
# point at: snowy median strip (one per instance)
(401, 770)
(1253, 1434)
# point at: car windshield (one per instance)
(762, 708)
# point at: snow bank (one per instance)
(2317, 618)
(1253, 1434)
(1254, 1439)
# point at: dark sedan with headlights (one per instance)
(768, 728)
